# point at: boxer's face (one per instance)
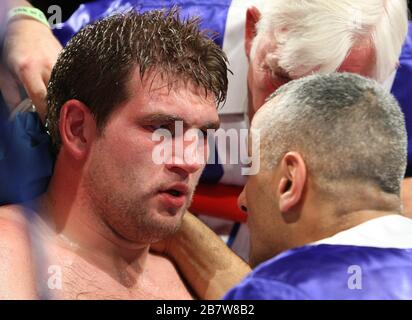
(139, 199)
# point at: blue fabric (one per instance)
(321, 272)
(26, 162)
(212, 12)
(402, 90)
(213, 172)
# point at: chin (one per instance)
(169, 215)
(154, 231)
(256, 257)
(151, 227)
(253, 262)
(168, 221)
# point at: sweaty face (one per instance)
(138, 199)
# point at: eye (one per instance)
(154, 127)
(280, 74)
(282, 77)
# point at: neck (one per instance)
(330, 216)
(353, 219)
(76, 226)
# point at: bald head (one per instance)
(346, 127)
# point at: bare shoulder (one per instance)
(13, 214)
(16, 267)
(14, 225)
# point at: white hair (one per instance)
(317, 35)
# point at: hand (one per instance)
(30, 52)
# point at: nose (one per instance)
(183, 167)
(241, 201)
(185, 159)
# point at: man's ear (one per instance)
(292, 182)
(77, 128)
(252, 18)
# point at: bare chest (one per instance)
(67, 276)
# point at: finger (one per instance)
(9, 89)
(36, 90)
(46, 76)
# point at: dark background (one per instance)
(68, 6)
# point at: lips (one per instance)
(177, 189)
(174, 195)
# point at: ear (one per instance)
(77, 128)
(292, 181)
(252, 18)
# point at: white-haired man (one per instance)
(287, 40)
(292, 39)
(324, 210)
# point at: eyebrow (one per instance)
(170, 118)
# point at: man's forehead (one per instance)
(182, 104)
(159, 83)
(156, 99)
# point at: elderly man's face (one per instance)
(140, 200)
(262, 80)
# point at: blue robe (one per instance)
(370, 261)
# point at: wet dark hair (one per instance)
(97, 64)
